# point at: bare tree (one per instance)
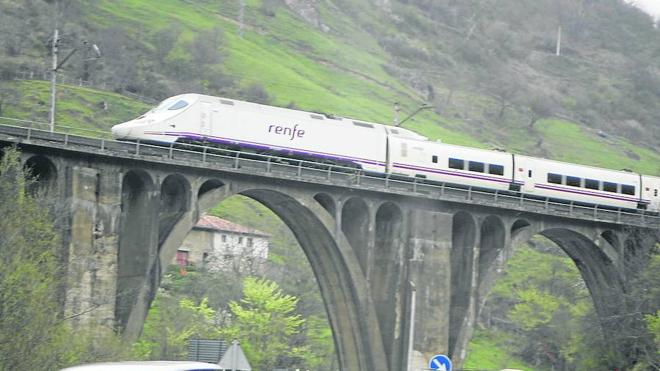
(539, 106)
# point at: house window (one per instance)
(250, 242)
(455, 163)
(205, 258)
(240, 240)
(182, 258)
(224, 238)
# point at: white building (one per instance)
(219, 244)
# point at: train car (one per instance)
(453, 164)
(384, 150)
(651, 191)
(264, 128)
(582, 184)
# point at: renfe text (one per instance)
(289, 132)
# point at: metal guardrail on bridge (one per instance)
(312, 172)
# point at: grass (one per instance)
(569, 142)
(488, 351)
(79, 109)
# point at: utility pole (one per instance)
(411, 332)
(558, 52)
(53, 79)
(397, 109)
(56, 67)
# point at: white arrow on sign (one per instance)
(441, 367)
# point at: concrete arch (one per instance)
(519, 225)
(44, 173)
(464, 236)
(611, 238)
(601, 276)
(137, 246)
(388, 277)
(209, 185)
(327, 202)
(355, 225)
(174, 202)
(343, 287)
(493, 238)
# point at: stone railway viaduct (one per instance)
(370, 241)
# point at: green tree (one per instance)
(34, 335)
(171, 323)
(264, 322)
(30, 326)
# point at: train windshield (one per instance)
(178, 105)
(170, 105)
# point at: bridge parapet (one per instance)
(274, 167)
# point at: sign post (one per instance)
(440, 362)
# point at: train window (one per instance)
(394, 131)
(455, 163)
(627, 189)
(318, 117)
(434, 158)
(655, 193)
(554, 178)
(591, 184)
(495, 169)
(529, 173)
(227, 102)
(363, 124)
(573, 181)
(476, 166)
(610, 187)
(178, 105)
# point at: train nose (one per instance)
(121, 131)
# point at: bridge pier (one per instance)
(430, 270)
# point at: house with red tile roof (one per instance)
(218, 244)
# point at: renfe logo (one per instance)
(289, 132)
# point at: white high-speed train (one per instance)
(383, 149)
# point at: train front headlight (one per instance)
(121, 131)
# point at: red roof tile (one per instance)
(217, 224)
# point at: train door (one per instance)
(205, 119)
(525, 173)
(652, 188)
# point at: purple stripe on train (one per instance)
(451, 173)
(215, 139)
(586, 193)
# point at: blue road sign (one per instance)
(440, 362)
